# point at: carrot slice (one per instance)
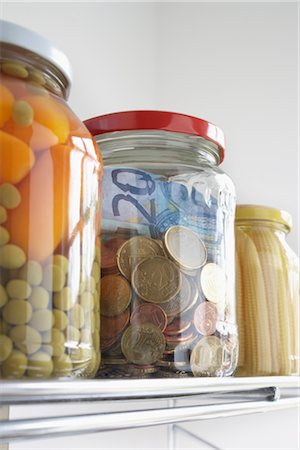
(36, 135)
(48, 113)
(40, 222)
(6, 104)
(16, 159)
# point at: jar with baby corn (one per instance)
(267, 283)
(167, 287)
(50, 170)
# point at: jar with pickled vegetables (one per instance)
(167, 287)
(50, 172)
(267, 292)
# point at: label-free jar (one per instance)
(167, 287)
(267, 292)
(50, 171)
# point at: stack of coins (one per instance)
(162, 307)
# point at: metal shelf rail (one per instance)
(214, 397)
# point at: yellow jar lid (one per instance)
(257, 212)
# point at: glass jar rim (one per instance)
(264, 213)
(36, 44)
(157, 120)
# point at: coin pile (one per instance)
(163, 307)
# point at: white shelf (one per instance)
(212, 398)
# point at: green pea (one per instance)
(10, 197)
(77, 316)
(53, 278)
(72, 334)
(60, 319)
(62, 366)
(96, 271)
(96, 302)
(87, 285)
(3, 296)
(87, 301)
(18, 289)
(11, 257)
(32, 272)
(40, 365)
(97, 321)
(42, 320)
(98, 254)
(75, 355)
(91, 368)
(22, 113)
(85, 336)
(4, 236)
(62, 262)
(93, 323)
(15, 365)
(26, 338)
(39, 298)
(57, 342)
(15, 69)
(4, 328)
(3, 215)
(17, 312)
(6, 347)
(48, 349)
(37, 77)
(65, 299)
(96, 342)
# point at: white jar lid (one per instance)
(22, 37)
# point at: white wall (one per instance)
(232, 63)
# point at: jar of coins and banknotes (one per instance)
(50, 170)
(267, 292)
(167, 287)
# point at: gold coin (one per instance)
(181, 301)
(135, 250)
(143, 344)
(185, 247)
(156, 280)
(213, 283)
(115, 295)
(207, 357)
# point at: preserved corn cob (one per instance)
(291, 276)
(242, 324)
(276, 287)
(274, 268)
(254, 301)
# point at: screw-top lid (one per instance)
(257, 212)
(157, 120)
(19, 36)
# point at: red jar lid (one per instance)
(157, 120)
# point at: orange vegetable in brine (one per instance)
(48, 113)
(36, 135)
(6, 104)
(40, 222)
(16, 159)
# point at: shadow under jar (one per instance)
(50, 170)
(167, 287)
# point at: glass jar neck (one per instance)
(269, 224)
(163, 147)
(53, 79)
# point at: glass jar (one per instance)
(167, 287)
(267, 292)
(50, 171)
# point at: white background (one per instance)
(235, 64)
